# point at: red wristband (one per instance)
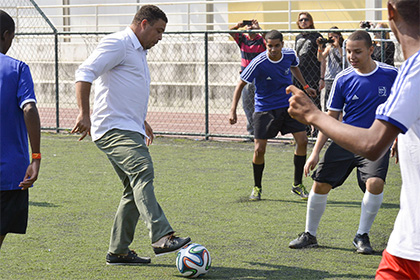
(306, 87)
(36, 155)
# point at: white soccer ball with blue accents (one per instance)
(193, 260)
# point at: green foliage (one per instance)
(203, 187)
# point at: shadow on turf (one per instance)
(259, 270)
(330, 202)
(42, 204)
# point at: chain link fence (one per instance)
(193, 74)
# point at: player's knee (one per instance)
(321, 188)
(375, 185)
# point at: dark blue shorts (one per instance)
(14, 211)
(268, 124)
(338, 163)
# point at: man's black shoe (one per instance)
(130, 259)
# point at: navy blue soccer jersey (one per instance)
(358, 95)
(271, 79)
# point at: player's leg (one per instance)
(299, 160)
(373, 173)
(258, 167)
(317, 203)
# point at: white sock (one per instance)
(315, 209)
(370, 207)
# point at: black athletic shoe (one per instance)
(130, 259)
(304, 240)
(362, 244)
(169, 244)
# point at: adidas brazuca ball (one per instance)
(193, 260)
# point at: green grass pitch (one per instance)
(203, 188)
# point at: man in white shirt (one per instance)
(118, 127)
(399, 114)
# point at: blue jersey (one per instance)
(16, 89)
(271, 79)
(358, 95)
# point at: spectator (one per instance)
(19, 119)
(386, 54)
(388, 46)
(333, 53)
(307, 49)
(250, 44)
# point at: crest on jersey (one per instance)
(382, 91)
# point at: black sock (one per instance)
(299, 162)
(258, 172)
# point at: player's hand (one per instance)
(321, 84)
(301, 106)
(311, 92)
(394, 150)
(311, 163)
(82, 126)
(149, 133)
(233, 118)
(31, 174)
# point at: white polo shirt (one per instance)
(122, 88)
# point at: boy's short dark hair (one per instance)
(361, 35)
(6, 23)
(274, 34)
(151, 13)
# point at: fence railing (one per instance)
(206, 15)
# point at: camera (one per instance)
(365, 24)
(247, 22)
(324, 41)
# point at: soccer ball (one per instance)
(193, 260)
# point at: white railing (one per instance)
(190, 15)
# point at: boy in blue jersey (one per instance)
(356, 92)
(272, 71)
(18, 119)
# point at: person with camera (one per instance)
(382, 52)
(251, 44)
(330, 50)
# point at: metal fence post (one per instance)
(206, 82)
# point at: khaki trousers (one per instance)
(129, 155)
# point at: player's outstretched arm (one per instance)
(83, 123)
(236, 96)
(370, 143)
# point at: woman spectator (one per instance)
(307, 49)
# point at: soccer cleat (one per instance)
(130, 259)
(362, 244)
(256, 193)
(169, 243)
(304, 240)
(301, 191)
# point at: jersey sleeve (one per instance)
(25, 93)
(251, 71)
(402, 107)
(336, 99)
(295, 60)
